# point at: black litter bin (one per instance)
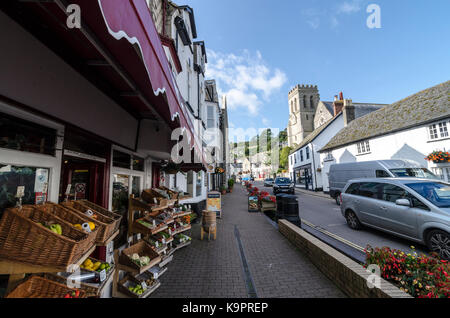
(280, 199)
(290, 209)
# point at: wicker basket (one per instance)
(97, 208)
(149, 195)
(89, 290)
(143, 249)
(40, 287)
(173, 194)
(129, 280)
(23, 240)
(106, 226)
(71, 217)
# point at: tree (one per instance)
(284, 157)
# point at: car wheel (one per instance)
(439, 242)
(338, 201)
(352, 220)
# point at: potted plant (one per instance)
(439, 157)
(230, 185)
(223, 190)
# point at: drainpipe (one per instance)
(164, 17)
(314, 166)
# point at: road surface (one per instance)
(325, 215)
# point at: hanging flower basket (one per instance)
(171, 168)
(220, 170)
(439, 157)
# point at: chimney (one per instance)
(349, 112)
(338, 104)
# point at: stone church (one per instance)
(307, 112)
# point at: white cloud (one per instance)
(349, 7)
(245, 79)
(314, 16)
(266, 122)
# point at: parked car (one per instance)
(281, 185)
(411, 208)
(268, 182)
(340, 174)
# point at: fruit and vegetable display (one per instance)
(73, 294)
(80, 227)
(164, 217)
(54, 227)
(138, 289)
(162, 236)
(148, 225)
(140, 260)
(181, 238)
(96, 266)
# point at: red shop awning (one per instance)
(121, 33)
(131, 20)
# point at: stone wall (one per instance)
(348, 275)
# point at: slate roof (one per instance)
(426, 106)
(314, 134)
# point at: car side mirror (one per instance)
(403, 202)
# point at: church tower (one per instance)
(303, 102)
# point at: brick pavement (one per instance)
(214, 269)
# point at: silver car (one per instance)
(411, 208)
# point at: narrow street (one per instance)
(325, 214)
(249, 259)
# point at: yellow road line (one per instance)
(336, 237)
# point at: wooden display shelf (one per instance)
(119, 294)
(179, 215)
(134, 230)
(17, 270)
(182, 245)
(186, 228)
(13, 267)
(111, 238)
(166, 261)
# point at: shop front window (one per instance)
(136, 186)
(35, 181)
(138, 164)
(121, 160)
(120, 193)
(190, 183)
(21, 135)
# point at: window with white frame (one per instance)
(301, 155)
(307, 153)
(439, 130)
(363, 147)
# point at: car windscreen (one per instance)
(269, 179)
(283, 181)
(435, 192)
(413, 173)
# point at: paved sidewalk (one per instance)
(317, 194)
(275, 268)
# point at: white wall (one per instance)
(412, 144)
(318, 143)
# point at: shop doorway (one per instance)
(86, 179)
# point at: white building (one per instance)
(305, 167)
(187, 58)
(409, 129)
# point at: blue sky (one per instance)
(259, 49)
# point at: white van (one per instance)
(340, 174)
